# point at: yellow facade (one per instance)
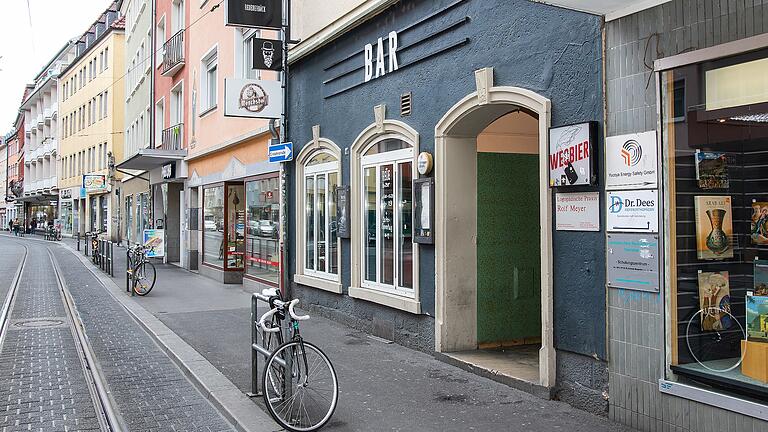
(91, 123)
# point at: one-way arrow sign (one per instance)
(281, 152)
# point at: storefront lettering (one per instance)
(568, 155)
(379, 69)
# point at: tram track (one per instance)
(109, 419)
(5, 312)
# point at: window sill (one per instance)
(207, 111)
(391, 300)
(708, 397)
(314, 282)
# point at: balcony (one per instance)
(40, 120)
(47, 116)
(173, 137)
(173, 54)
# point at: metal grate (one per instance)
(405, 104)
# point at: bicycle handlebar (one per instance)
(279, 305)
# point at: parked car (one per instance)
(209, 224)
(267, 228)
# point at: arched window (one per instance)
(386, 201)
(318, 175)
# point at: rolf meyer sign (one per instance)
(571, 158)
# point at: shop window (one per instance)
(104, 202)
(715, 141)
(234, 249)
(262, 259)
(213, 225)
(129, 218)
(386, 199)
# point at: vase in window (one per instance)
(717, 240)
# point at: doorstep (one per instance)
(472, 361)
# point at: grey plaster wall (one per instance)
(553, 51)
(636, 320)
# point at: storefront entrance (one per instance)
(494, 288)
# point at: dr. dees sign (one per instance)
(570, 154)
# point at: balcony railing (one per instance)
(173, 137)
(173, 53)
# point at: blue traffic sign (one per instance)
(281, 152)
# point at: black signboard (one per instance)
(255, 13)
(169, 171)
(342, 211)
(267, 54)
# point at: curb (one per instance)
(233, 405)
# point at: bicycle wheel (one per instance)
(144, 278)
(304, 399)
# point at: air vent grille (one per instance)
(405, 104)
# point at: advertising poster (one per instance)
(94, 182)
(757, 304)
(714, 227)
(154, 239)
(570, 155)
(633, 261)
(631, 161)
(714, 301)
(759, 223)
(712, 170)
(632, 211)
(577, 211)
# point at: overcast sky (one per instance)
(25, 48)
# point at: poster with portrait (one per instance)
(714, 301)
(759, 223)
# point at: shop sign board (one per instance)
(578, 211)
(267, 54)
(280, 152)
(631, 161)
(571, 161)
(66, 193)
(254, 13)
(342, 212)
(253, 98)
(169, 171)
(632, 211)
(633, 261)
(155, 240)
(94, 182)
(377, 67)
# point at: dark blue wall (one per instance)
(552, 51)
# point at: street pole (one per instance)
(283, 133)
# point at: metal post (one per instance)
(111, 259)
(254, 354)
(78, 241)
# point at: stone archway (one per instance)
(455, 244)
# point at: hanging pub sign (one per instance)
(169, 171)
(267, 54)
(254, 13)
(252, 98)
(571, 159)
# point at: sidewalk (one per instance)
(382, 386)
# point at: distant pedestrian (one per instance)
(33, 226)
(16, 226)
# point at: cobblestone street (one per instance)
(42, 381)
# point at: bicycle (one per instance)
(94, 245)
(299, 383)
(141, 272)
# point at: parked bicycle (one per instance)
(140, 270)
(94, 236)
(299, 384)
(52, 233)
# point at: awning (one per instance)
(148, 159)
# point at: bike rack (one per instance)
(257, 349)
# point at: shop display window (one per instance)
(66, 217)
(128, 218)
(213, 225)
(234, 248)
(715, 143)
(262, 235)
(386, 210)
(321, 179)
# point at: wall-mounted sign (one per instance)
(424, 163)
(267, 54)
(169, 171)
(633, 261)
(66, 193)
(377, 67)
(578, 211)
(632, 211)
(155, 240)
(424, 210)
(280, 152)
(342, 211)
(94, 182)
(252, 98)
(571, 160)
(631, 161)
(254, 13)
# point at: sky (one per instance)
(25, 49)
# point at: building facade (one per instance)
(41, 157)
(231, 189)
(15, 170)
(691, 356)
(3, 183)
(412, 83)
(92, 104)
(134, 197)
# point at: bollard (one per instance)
(78, 241)
(127, 270)
(254, 354)
(111, 259)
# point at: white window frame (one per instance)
(376, 161)
(159, 121)
(313, 171)
(244, 53)
(207, 62)
(160, 39)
